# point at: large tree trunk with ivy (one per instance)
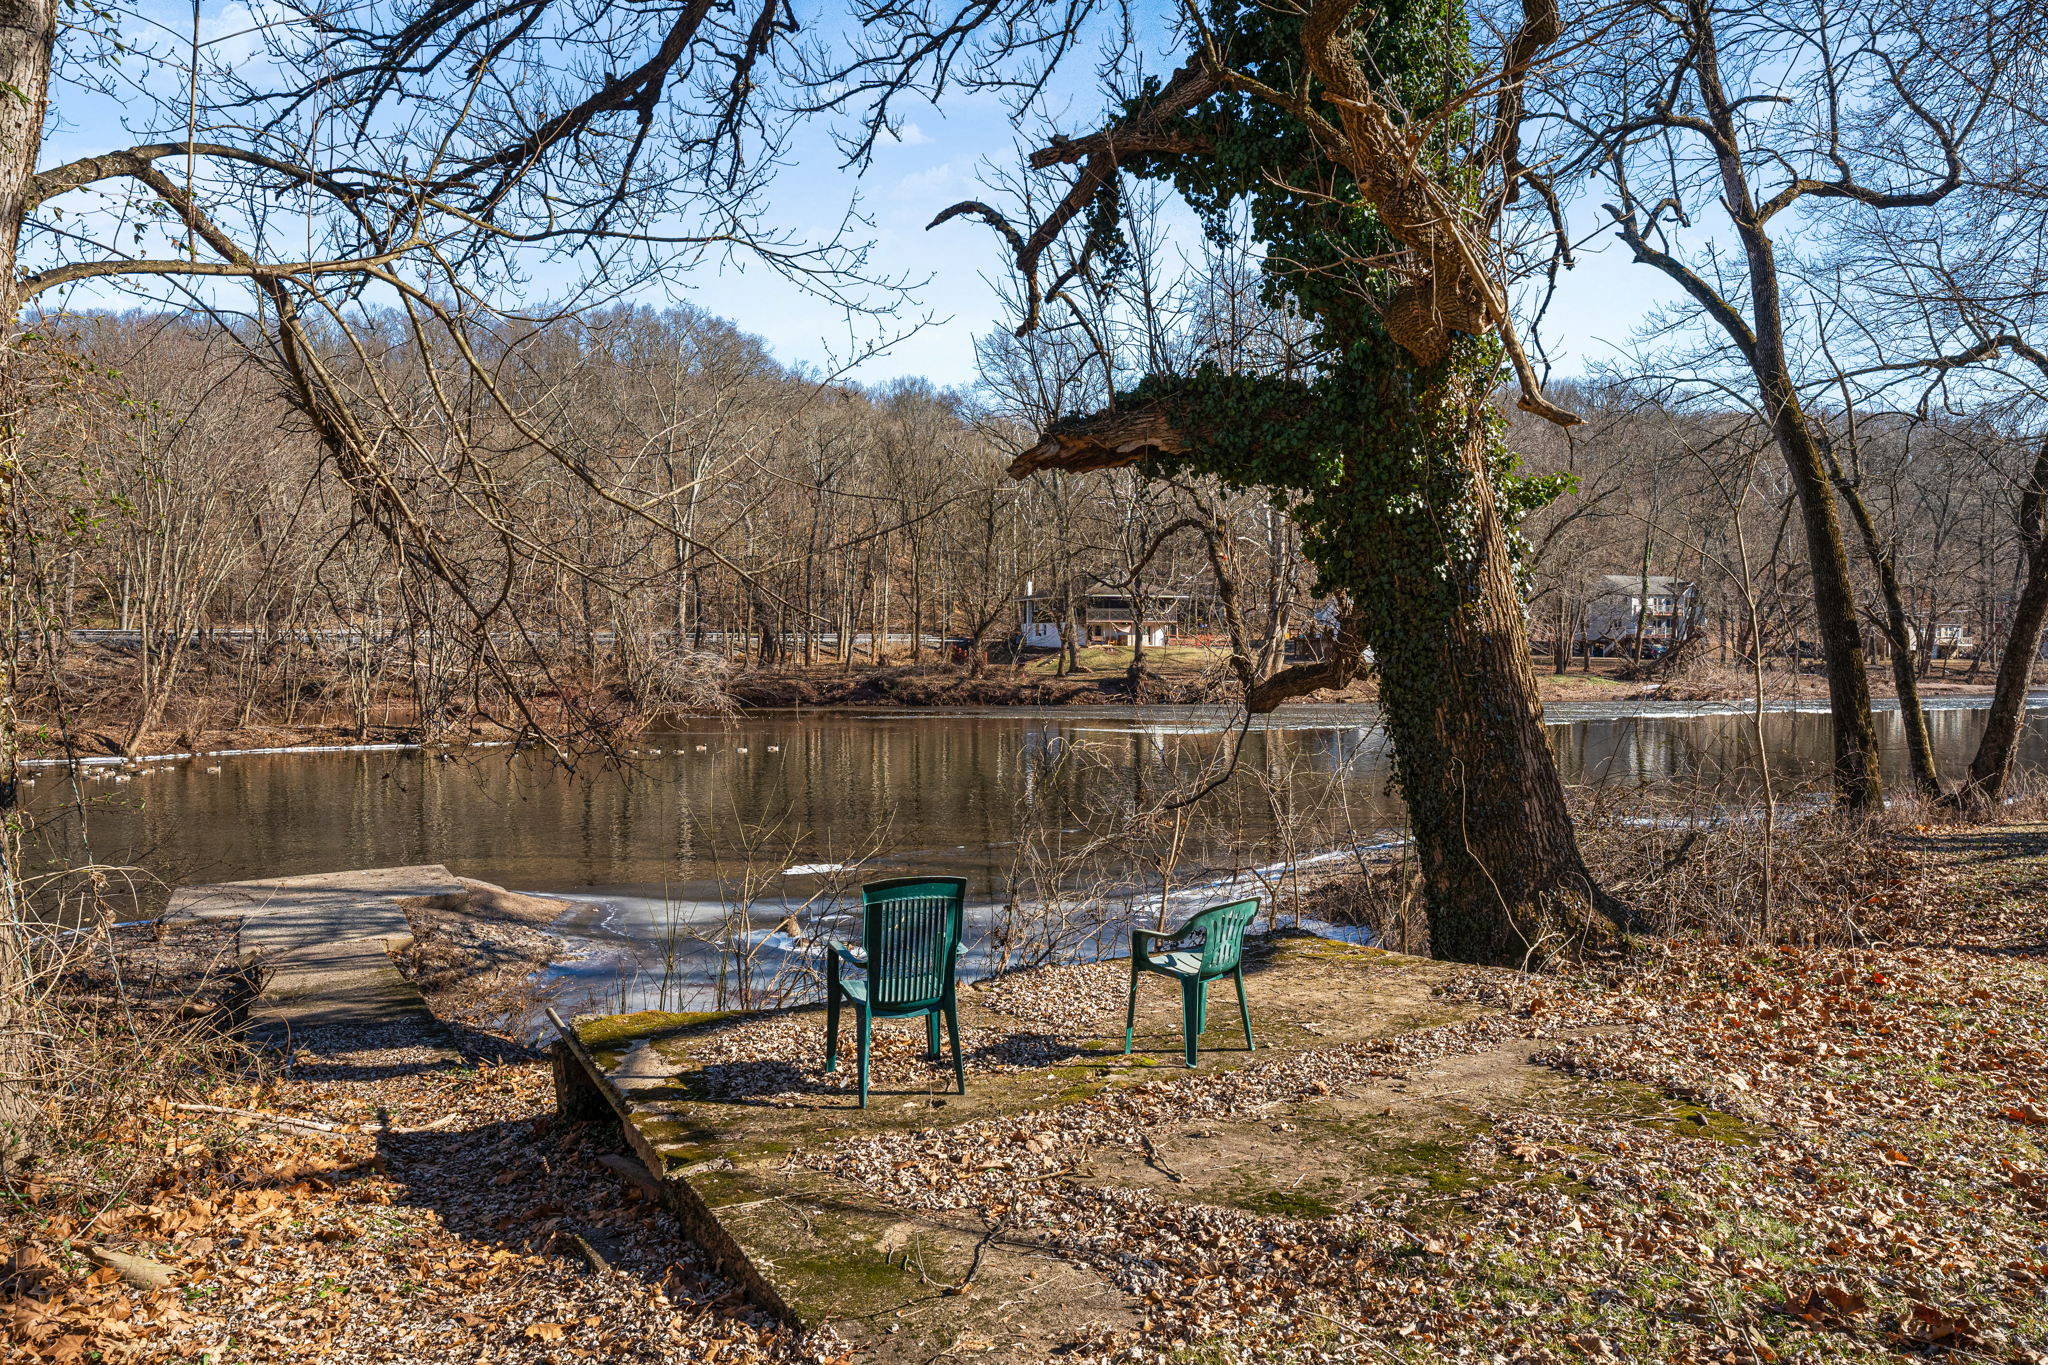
(1433, 594)
(1500, 859)
(1376, 172)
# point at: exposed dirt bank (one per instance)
(1176, 677)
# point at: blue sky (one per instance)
(940, 161)
(940, 158)
(943, 158)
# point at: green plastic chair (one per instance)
(1220, 952)
(910, 927)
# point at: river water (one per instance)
(720, 828)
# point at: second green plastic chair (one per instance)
(1220, 952)
(910, 927)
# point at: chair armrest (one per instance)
(1143, 941)
(839, 952)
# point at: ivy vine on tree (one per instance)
(1390, 454)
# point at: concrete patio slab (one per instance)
(760, 1152)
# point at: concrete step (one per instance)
(323, 942)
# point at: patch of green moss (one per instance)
(1283, 1203)
(1439, 1162)
(1680, 1118)
(1313, 948)
(1417, 1020)
(841, 1274)
(682, 1143)
(719, 1189)
(1698, 1121)
(851, 1285)
(617, 1032)
(670, 1133)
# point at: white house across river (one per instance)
(1107, 618)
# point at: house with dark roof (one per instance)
(1667, 611)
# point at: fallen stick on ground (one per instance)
(1157, 1161)
(274, 1120)
(445, 1121)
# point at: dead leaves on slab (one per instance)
(1861, 1178)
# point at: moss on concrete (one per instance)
(614, 1033)
(832, 1251)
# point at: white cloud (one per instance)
(931, 181)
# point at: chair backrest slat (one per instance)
(912, 933)
(1222, 928)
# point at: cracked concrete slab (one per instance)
(323, 942)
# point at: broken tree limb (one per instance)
(1138, 431)
(1105, 440)
(269, 1120)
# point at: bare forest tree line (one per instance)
(1948, 494)
(197, 576)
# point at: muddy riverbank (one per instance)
(1174, 677)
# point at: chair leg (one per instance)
(832, 1031)
(863, 1055)
(1190, 1016)
(1244, 1012)
(953, 1032)
(1131, 1009)
(931, 1036)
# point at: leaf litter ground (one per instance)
(1834, 1154)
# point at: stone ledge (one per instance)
(817, 1249)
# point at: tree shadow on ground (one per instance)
(328, 1054)
(1981, 846)
(537, 1187)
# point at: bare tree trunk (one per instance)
(1905, 667)
(1134, 675)
(1643, 578)
(28, 33)
(916, 604)
(1859, 782)
(1071, 636)
(1991, 765)
(767, 626)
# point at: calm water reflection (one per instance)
(733, 804)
